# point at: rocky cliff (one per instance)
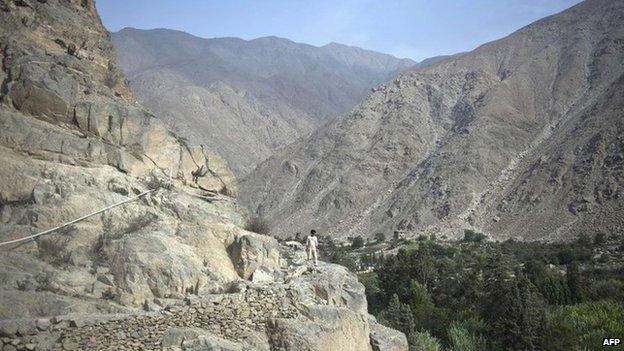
(247, 98)
(520, 138)
(171, 270)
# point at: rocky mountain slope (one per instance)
(172, 269)
(246, 99)
(521, 138)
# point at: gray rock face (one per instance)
(72, 142)
(300, 315)
(333, 313)
(246, 99)
(519, 138)
(383, 338)
(251, 251)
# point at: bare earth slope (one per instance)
(247, 99)
(171, 270)
(522, 138)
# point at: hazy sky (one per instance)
(416, 29)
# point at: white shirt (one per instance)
(312, 241)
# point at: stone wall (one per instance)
(294, 312)
(239, 318)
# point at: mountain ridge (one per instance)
(442, 147)
(287, 89)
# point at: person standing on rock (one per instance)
(311, 246)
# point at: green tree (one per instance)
(473, 236)
(340, 256)
(551, 285)
(374, 295)
(417, 296)
(380, 237)
(357, 242)
(573, 279)
(611, 289)
(399, 315)
(513, 307)
(422, 306)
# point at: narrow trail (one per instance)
(210, 197)
(505, 176)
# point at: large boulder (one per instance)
(383, 338)
(331, 285)
(157, 265)
(321, 328)
(250, 251)
(16, 185)
(332, 308)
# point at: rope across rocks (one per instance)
(168, 186)
(51, 230)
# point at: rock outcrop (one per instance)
(519, 138)
(308, 309)
(170, 269)
(73, 142)
(252, 251)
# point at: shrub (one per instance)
(357, 242)
(588, 323)
(423, 341)
(380, 237)
(258, 225)
(600, 238)
(583, 240)
(472, 236)
(558, 334)
(605, 289)
(463, 339)
(374, 294)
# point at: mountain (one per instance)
(521, 138)
(246, 99)
(116, 233)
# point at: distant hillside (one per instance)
(522, 137)
(247, 99)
